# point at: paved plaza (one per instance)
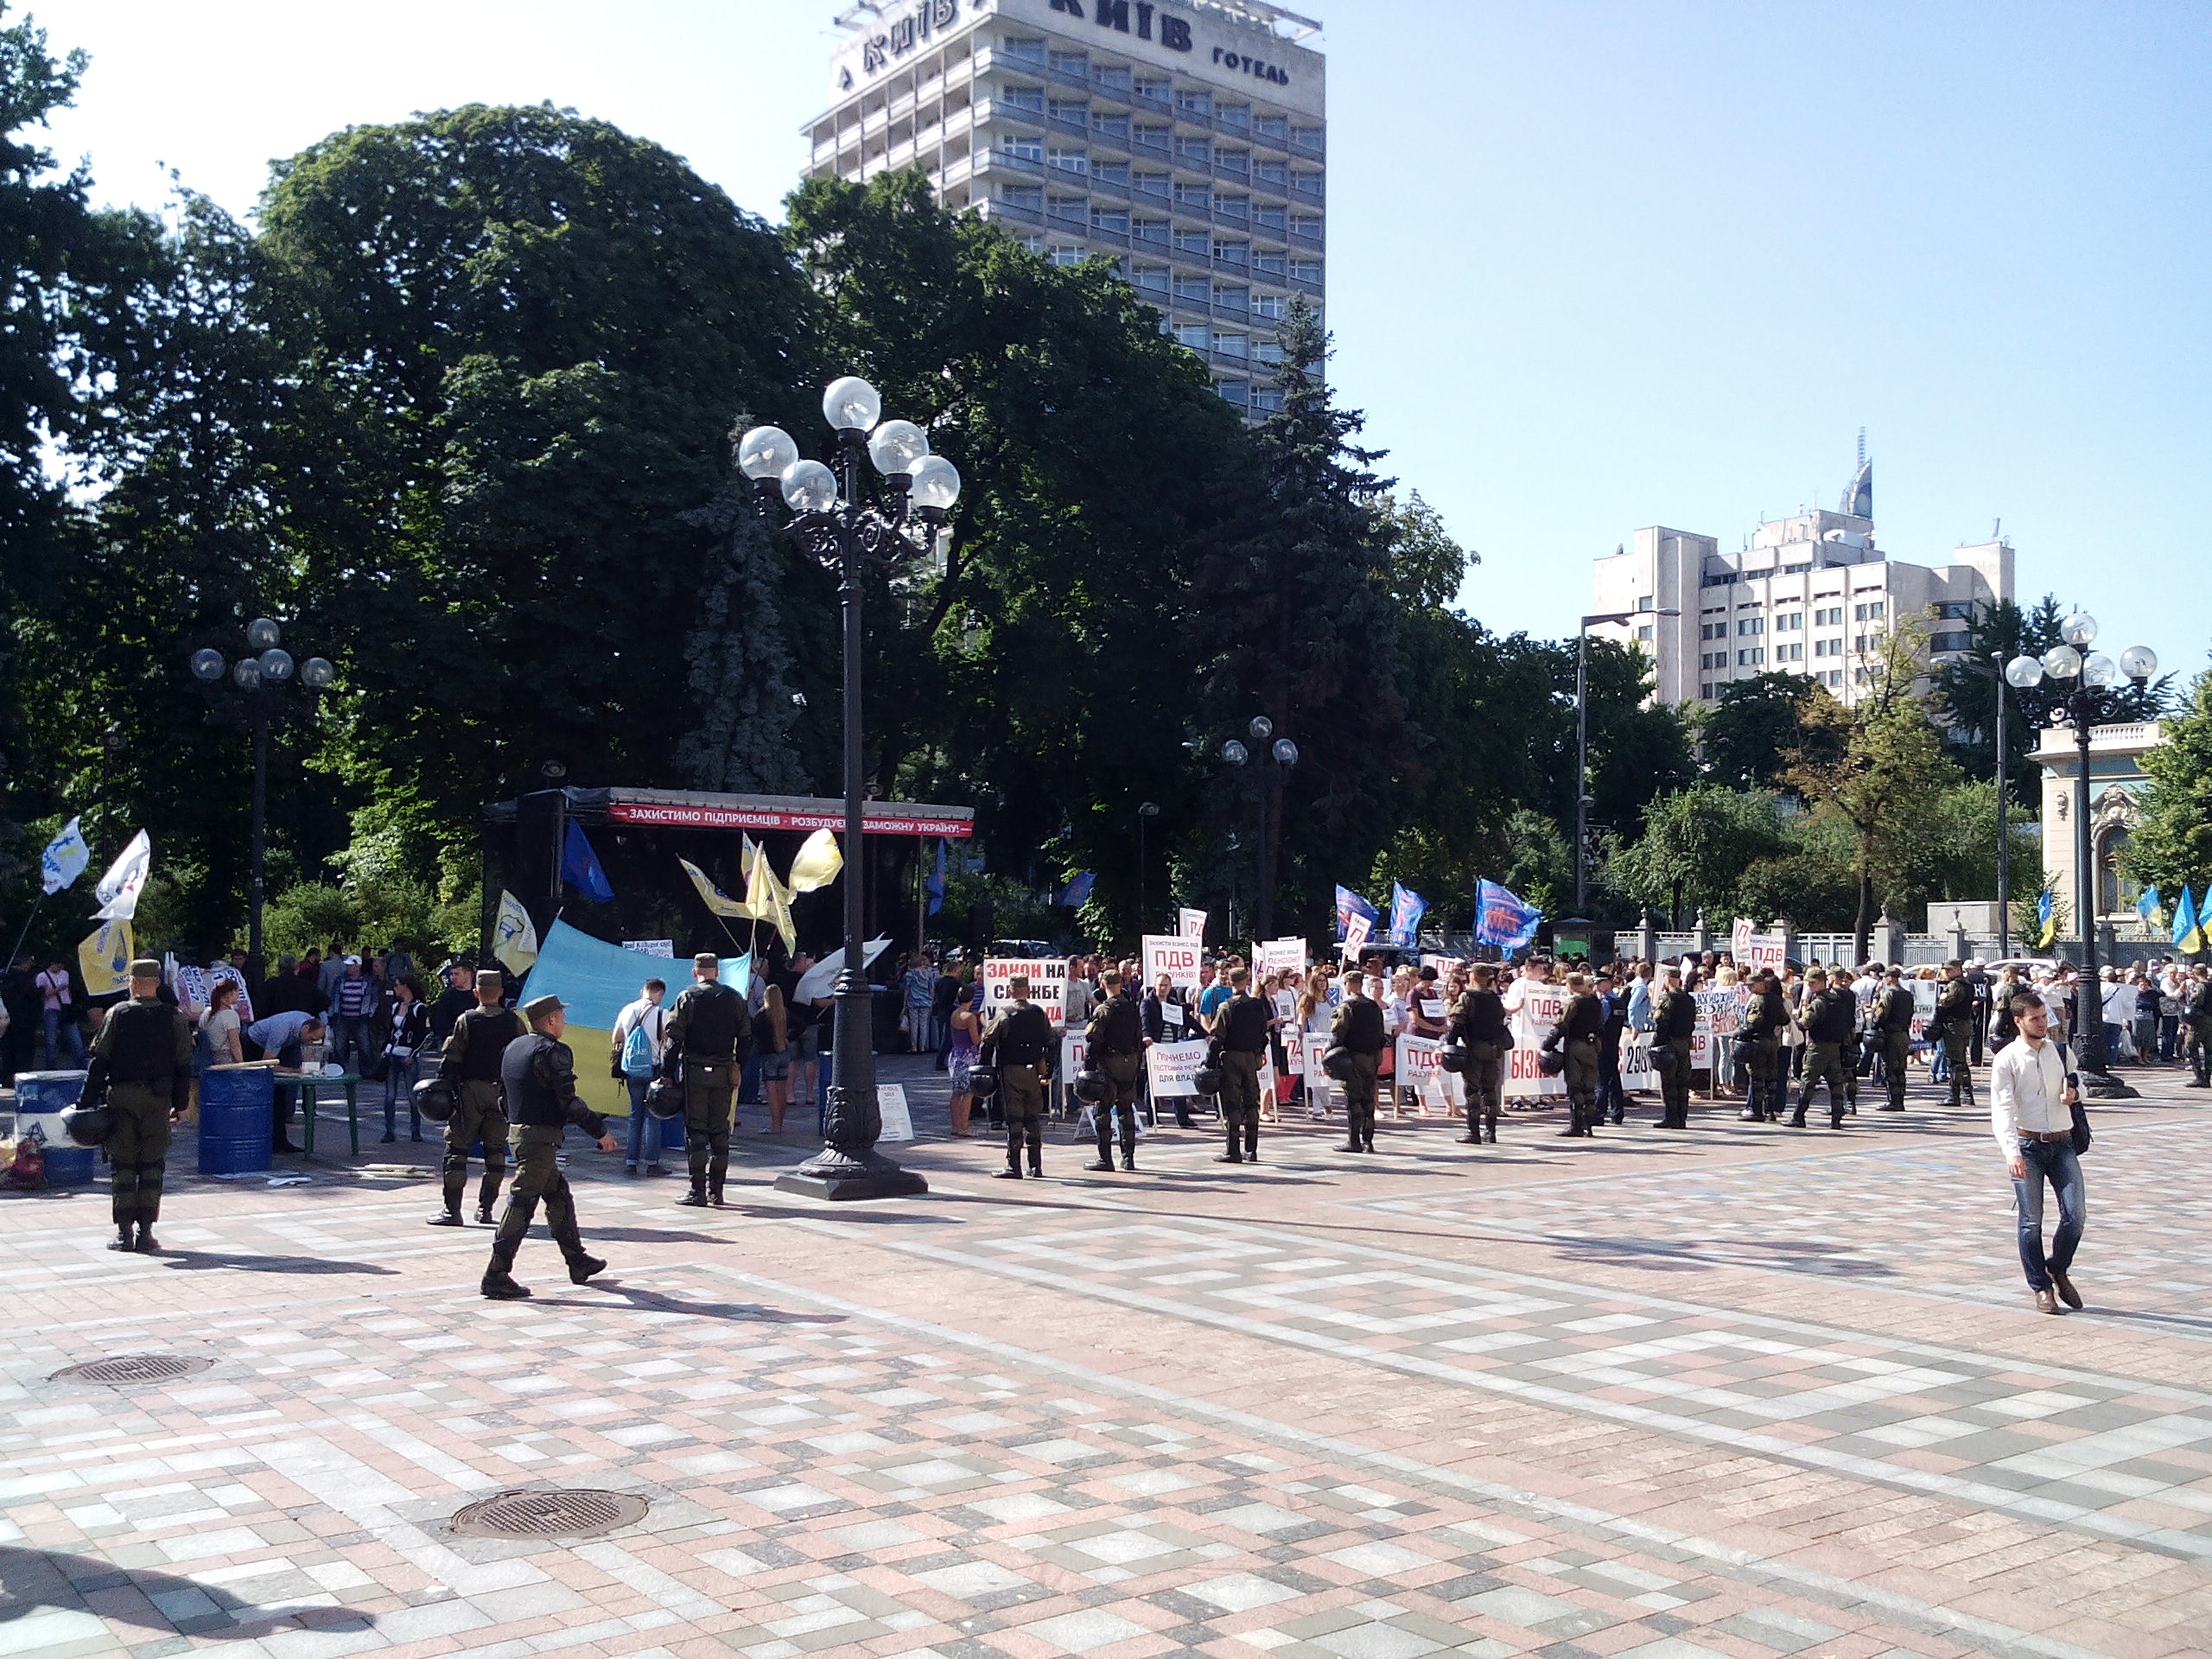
(1731, 1390)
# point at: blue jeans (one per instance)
(2053, 1162)
(349, 1039)
(59, 1034)
(645, 1128)
(399, 1080)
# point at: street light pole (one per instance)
(1582, 745)
(1146, 812)
(837, 526)
(2095, 698)
(257, 703)
(1273, 775)
(2004, 832)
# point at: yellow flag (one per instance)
(754, 863)
(778, 902)
(710, 895)
(817, 862)
(105, 959)
(514, 937)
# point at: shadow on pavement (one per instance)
(204, 1260)
(41, 1580)
(654, 1301)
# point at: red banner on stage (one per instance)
(727, 817)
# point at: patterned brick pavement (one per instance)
(1312, 1407)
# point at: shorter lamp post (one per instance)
(2096, 683)
(1147, 811)
(836, 524)
(1582, 745)
(257, 699)
(2002, 674)
(1272, 768)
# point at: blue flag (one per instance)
(937, 881)
(1502, 919)
(579, 867)
(1407, 908)
(1349, 905)
(1078, 891)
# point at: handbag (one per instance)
(2081, 1141)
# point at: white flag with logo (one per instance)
(125, 880)
(514, 936)
(66, 857)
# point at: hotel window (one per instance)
(1643, 632)
(1152, 184)
(1233, 253)
(1111, 221)
(1111, 77)
(1235, 161)
(1069, 161)
(1113, 172)
(1064, 255)
(1307, 185)
(1233, 206)
(1194, 152)
(1270, 216)
(1151, 279)
(1075, 111)
(1197, 244)
(1075, 208)
(1034, 244)
(1267, 351)
(1025, 98)
(1788, 621)
(1276, 127)
(1275, 172)
(1305, 270)
(1188, 102)
(1305, 138)
(1154, 138)
(1231, 299)
(1233, 114)
(1149, 230)
(1151, 89)
(1072, 63)
(1192, 290)
(1790, 653)
(1193, 197)
(1306, 225)
(1024, 46)
(1232, 344)
(1018, 195)
(1267, 400)
(1192, 334)
(1239, 392)
(1751, 625)
(1115, 129)
(1267, 305)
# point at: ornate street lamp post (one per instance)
(257, 699)
(1272, 771)
(835, 522)
(2097, 682)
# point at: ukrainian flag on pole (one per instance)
(2189, 923)
(2047, 913)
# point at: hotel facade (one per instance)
(1184, 142)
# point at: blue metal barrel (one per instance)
(40, 1099)
(235, 1113)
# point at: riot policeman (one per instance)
(141, 1068)
(471, 1063)
(1359, 1030)
(537, 1078)
(1829, 1017)
(1020, 1045)
(1763, 1021)
(1114, 1046)
(1478, 1025)
(1954, 1008)
(1674, 1031)
(1893, 1025)
(1240, 1031)
(709, 1040)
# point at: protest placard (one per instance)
(1638, 1073)
(1172, 1068)
(1191, 924)
(1720, 1016)
(1173, 955)
(1534, 1010)
(1418, 1067)
(1756, 948)
(898, 1121)
(1048, 985)
(1278, 956)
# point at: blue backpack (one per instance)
(637, 1053)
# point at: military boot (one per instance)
(581, 1268)
(499, 1278)
(125, 1238)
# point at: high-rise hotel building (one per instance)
(1811, 594)
(1184, 141)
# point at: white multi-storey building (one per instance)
(1808, 594)
(1185, 141)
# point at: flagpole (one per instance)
(28, 920)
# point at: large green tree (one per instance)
(2172, 846)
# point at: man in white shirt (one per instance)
(2031, 1096)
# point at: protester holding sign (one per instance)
(1167, 1019)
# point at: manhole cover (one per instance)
(134, 1368)
(550, 1515)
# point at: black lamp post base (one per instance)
(840, 1177)
(2102, 1086)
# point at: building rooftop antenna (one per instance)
(1862, 446)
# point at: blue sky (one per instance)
(1592, 266)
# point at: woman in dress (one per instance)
(960, 1058)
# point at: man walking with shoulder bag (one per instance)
(2032, 1092)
